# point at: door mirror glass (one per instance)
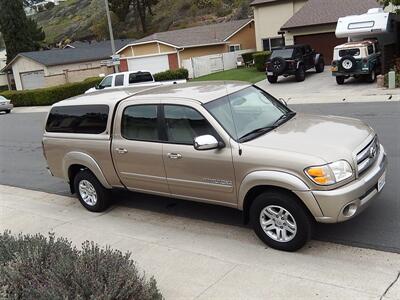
(206, 142)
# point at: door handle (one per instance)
(121, 150)
(174, 156)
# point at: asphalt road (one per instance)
(22, 165)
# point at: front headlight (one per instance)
(331, 173)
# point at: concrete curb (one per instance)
(195, 259)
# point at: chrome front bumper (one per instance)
(356, 195)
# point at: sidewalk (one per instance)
(194, 259)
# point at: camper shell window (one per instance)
(351, 52)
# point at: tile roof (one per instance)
(196, 36)
(317, 12)
(54, 57)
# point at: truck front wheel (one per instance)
(91, 193)
(280, 221)
(272, 78)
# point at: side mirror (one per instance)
(97, 86)
(283, 101)
(206, 142)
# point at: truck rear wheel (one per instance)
(91, 193)
(340, 80)
(370, 78)
(300, 74)
(280, 221)
(320, 66)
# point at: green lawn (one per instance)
(243, 74)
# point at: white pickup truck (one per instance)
(127, 79)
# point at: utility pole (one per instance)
(111, 33)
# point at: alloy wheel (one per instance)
(87, 192)
(278, 223)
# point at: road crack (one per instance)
(390, 286)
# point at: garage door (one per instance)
(153, 64)
(323, 43)
(32, 80)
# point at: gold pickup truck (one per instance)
(224, 143)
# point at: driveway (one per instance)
(322, 88)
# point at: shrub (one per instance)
(172, 75)
(259, 60)
(247, 57)
(51, 95)
(36, 267)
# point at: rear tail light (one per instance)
(334, 63)
(365, 60)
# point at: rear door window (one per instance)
(87, 119)
(119, 80)
(140, 122)
(351, 52)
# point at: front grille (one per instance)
(367, 156)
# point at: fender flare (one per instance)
(279, 179)
(80, 158)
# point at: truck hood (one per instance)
(329, 138)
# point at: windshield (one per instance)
(2, 98)
(247, 111)
(284, 53)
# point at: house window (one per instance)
(235, 47)
(270, 44)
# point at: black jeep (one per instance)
(293, 60)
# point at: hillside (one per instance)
(85, 19)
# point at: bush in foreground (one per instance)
(51, 95)
(37, 267)
(172, 75)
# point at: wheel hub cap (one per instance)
(347, 64)
(87, 192)
(278, 223)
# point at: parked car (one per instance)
(128, 79)
(356, 59)
(293, 60)
(5, 105)
(228, 144)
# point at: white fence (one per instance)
(204, 65)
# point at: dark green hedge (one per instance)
(37, 267)
(260, 59)
(248, 57)
(172, 75)
(51, 95)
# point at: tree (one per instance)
(20, 34)
(120, 8)
(395, 3)
(142, 9)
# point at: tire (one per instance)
(370, 78)
(86, 182)
(298, 218)
(272, 78)
(348, 63)
(8, 111)
(340, 80)
(320, 66)
(278, 65)
(300, 74)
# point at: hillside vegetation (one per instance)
(85, 19)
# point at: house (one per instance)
(304, 22)
(39, 69)
(168, 50)
(3, 77)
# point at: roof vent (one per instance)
(376, 10)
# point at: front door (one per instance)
(199, 175)
(137, 148)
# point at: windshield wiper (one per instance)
(255, 133)
(263, 130)
(284, 118)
